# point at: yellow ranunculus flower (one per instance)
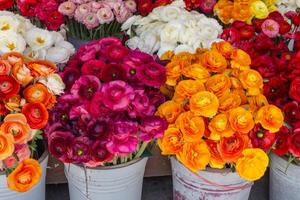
(253, 164)
(259, 9)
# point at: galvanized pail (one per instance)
(212, 184)
(106, 183)
(284, 179)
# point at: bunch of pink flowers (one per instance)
(94, 13)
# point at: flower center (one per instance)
(5, 27)
(80, 152)
(40, 40)
(132, 71)
(260, 135)
(11, 46)
(25, 178)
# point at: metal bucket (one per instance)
(284, 185)
(106, 183)
(211, 184)
(36, 193)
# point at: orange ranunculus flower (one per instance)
(252, 81)
(13, 103)
(223, 9)
(194, 155)
(229, 101)
(241, 120)
(21, 73)
(6, 145)
(252, 164)
(13, 57)
(186, 89)
(25, 176)
(169, 110)
(216, 160)
(256, 102)
(231, 148)
(240, 60)
(17, 126)
(270, 117)
(236, 83)
(168, 55)
(5, 67)
(184, 56)
(204, 104)
(173, 72)
(41, 67)
(39, 93)
(172, 141)
(191, 126)
(241, 11)
(214, 61)
(220, 127)
(36, 115)
(241, 94)
(196, 71)
(225, 48)
(218, 84)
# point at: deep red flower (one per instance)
(112, 72)
(276, 16)
(54, 20)
(3, 110)
(231, 35)
(69, 76)
(291, 112)
(263, 43)
(100, 153)
(27, 7)
(281, 147)
(275, 90)
(6, 4)
(257, 24)
(93, 67)
(261, 138)
(264, 64)
(8, 87)
(284, 27)
(294, 143)
(144, 7)
(295, 89)
(247, 32)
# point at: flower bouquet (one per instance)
(28, 89)
(216, 118)
(18, 34)
(106, 116)
(172, 28)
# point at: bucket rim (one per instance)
(282, 158)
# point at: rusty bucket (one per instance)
(212, 184)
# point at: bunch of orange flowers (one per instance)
(27, 90)
(216, 101)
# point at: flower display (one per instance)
(171, 28)
(18, 34)
(25, 102)
(106, 115)
(217, 122)
(272, 44)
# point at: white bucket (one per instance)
(212, 184)
(121, 182)
(36, 193)
(284, 185)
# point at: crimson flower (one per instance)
(261, 138)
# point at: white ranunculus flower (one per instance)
(133, 43)
(170, 33)
(39, 39)
(9, 24)
(151, 40)
(11, 42)
(58, 55)
(66, 45)
(129, 22)
(54, 83)
(184, 48)
(164, 47)
(169, 13)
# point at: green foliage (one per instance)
(33, 144)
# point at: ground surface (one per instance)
(159, 188)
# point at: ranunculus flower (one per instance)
(22, 151)
(105, 15)
(80, 149)
(231, 35)
(93, 67)
(105, 43)
(252, 81)
(152, 74)
(270, 28)
(291, 112)
(96, 106)
(122, 147)
(112, 72)
(54, 83)
(21, 73)
(98, 128)
(27, 7)
(82, 11)
(295, 89)
(131, 5)
(216, 160)
(275, 90)
(86, 86)
(36, 115)
(152, 127)
(67, 8)
(60, 144)
(293, 143)
(5, 67)
(204, 104)
(6, 145)
(214, 61)
(252, 164)
(185, 89)
(281, 147)
(6, 4)
(69, 76)
(91, 21)
(144, 7)
(171, 142)
(270, 117)
(116, 95)
(140, 105)
(100, 154)
(124, 128)
(220, 127)
(28, 169)
(8, 87)
(218, 84)
(169, 110)
(261, 138)
(241, 120)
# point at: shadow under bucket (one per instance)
(211, 184)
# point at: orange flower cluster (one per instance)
(216, 103)
(24, 104)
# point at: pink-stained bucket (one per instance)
(121, 182)
(212, 184)
(284, 179)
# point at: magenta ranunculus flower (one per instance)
(98, 128)
(152, 74)
(122, 129)
(86, 86)
(88, 51)
(122, 147)
(140, 105)
(97, 108)
(116, 52)
(116, 95)
(80, 149)
(111, 72)
(93, 67)
(99, 154)
(105, 43)
(152, 127)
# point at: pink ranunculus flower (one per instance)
(122, 14)
(270, 27)
(22, 151)
(91, 21)
(67, 8)
(130, 5)
(116, 95)
(105, 15)
(122, 147)
(10, 162)
(82, 11)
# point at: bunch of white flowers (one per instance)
(287, 5)
(171, 28)
(18, 34)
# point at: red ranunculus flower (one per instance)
(281, 147)
(276, 16)
(144, 7)
(294, 143)
(295, 89)
(291, 112)
(112, 72)
(93, 67)
(261, 138)
(54, 20)
(3, 110)
(284, 27)
(231, 35)
(275, 90)
(6, 4)
(8, 87)
(27, 7)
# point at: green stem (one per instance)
(291, 159)
(141, 150)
